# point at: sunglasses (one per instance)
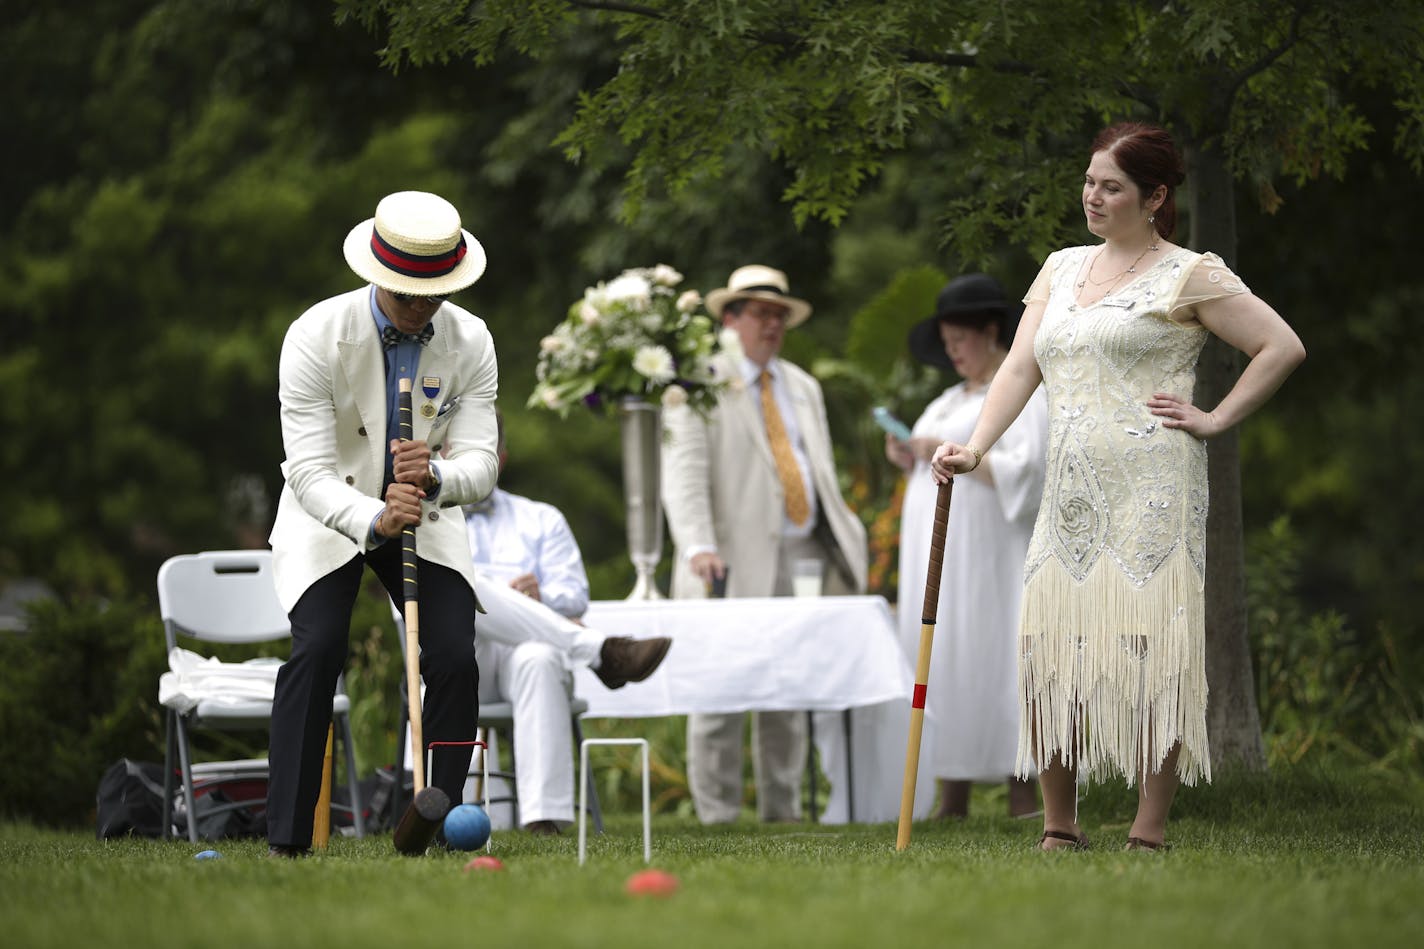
(416, 297)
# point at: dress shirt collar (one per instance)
(751, 372)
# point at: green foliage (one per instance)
(78, 691)
(833, 91)
(876, 340)
(1324, 691)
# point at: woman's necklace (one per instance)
(1131, 268)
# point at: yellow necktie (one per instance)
(786, 468)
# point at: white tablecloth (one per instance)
(822, 654)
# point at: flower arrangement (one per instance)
(635, 335)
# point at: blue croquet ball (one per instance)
(206, 855)
(467, 827)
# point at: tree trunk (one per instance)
(1233, 719)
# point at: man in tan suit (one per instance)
(748, 491)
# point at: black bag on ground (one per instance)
(221, 815)
(130, 800)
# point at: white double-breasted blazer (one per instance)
(720, 487)
(332, 388)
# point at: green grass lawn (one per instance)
(1298, 859)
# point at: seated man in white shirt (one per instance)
(526, 546)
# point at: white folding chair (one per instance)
(228, 597)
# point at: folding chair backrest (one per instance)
(223, 596)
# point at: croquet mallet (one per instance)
(429, 806)
(922, 664)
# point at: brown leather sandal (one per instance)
(1138, 843)
(1080, 842)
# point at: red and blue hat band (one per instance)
(416, 265)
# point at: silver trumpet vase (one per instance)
(641, 422)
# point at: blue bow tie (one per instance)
(392, 337)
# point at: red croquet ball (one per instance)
(484, 862)
(651, 883)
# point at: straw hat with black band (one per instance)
(415, 245)
(973, 300)
(755, 282)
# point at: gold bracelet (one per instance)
(978, 456)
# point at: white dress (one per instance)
(971, 701)
(1113, 631)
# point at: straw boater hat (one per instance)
(755, 282)
(415, 244)
(975, 300)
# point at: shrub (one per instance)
(78, 690)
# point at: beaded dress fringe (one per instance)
(1112, 675)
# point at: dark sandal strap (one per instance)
(1079, 841)
(1137, 843)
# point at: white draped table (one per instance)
(821, 654)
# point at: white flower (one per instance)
(689, 301)
(630, 288)
(730, 342)
(550, 344)
(673, 396)
(700, 371)
(588, 312)
(654, 362)
(665, 276)
(548, 397)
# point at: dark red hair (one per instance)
(1147, 155)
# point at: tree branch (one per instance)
(1269, 58)
(786, 40)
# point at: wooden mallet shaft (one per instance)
(321, 820)
(922, 665)
(429, 806)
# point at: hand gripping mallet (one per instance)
(922, 665)
(429, 806)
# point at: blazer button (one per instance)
(350, 479)
(433, 516)
(361, 431)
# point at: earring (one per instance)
(1151, 218)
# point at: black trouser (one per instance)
(301, 710)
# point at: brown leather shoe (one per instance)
(623, 659)
(542, 828)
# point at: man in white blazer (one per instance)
(352, 486)
(749, 490)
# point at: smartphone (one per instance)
(890, 423)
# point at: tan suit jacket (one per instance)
(720, 488)
(333, 408)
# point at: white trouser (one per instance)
(526, 653)
(511, 618)
(532, 678)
